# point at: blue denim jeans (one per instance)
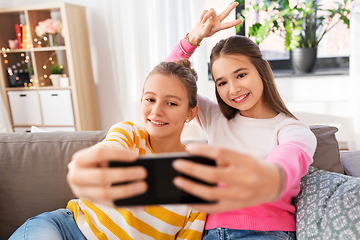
(227, 234)
(56, 225)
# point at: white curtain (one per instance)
(142, 34)
(355, 74)
(4, 118)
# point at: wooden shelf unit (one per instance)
(73, 54)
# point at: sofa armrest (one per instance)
(351, 162)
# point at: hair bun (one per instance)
(186, 63)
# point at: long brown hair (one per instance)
(240, 45)
(184, 73)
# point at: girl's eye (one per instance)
(172, 104)
(241, 75)
(221, 84)
(149, 100)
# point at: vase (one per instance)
(55, 79)
(303, 59)
(52, 40)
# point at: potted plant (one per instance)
(31, 72)
(56, 74)
(302, 25)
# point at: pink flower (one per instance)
(51, 29)
(48, 26)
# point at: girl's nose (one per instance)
(157, 109)
(234, 88)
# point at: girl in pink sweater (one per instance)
(262, 150)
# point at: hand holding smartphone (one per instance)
(161, 189)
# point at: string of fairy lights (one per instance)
(40, 41)
(13, 69)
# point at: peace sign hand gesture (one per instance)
(211, 23)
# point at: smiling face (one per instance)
(240, 86)
(165, 106)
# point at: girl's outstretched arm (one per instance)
(243, 181)
(208, 24)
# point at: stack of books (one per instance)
(23, 36)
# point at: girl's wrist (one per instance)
(193, 40)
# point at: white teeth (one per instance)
(241, 98)
(157, 123)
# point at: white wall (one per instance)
(106, 93)
(320, 100)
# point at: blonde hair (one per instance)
(184, 73)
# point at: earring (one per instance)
(187, 121)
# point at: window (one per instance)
(336, 43)
(333, 50)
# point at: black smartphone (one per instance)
(161, 189)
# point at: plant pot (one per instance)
(55, 79)
(303, 59)
(64, 82)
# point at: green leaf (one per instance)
(243, 13)
(285, 12)
(309, 5)
(254, 29)
(296, 32)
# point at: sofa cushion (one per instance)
(351, 162)
(328, 206)
(327, 155)
(33, 168)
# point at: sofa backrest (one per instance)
(33, 168)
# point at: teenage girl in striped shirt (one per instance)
(168, 101)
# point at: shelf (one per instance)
(36, 49)
(29, 70)
(53, 88)
(44, 49)
(35, 88)
(16, 50)
(19, 89)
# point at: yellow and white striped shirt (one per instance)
(154, 222)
